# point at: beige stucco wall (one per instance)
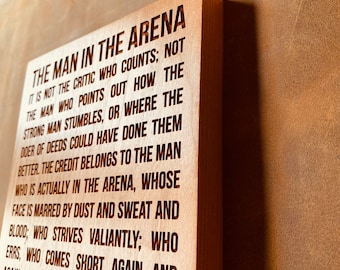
(298, 50)
(299, 54)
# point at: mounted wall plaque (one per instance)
(105, 168)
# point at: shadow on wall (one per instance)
(243, 188)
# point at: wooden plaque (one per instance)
(105, 169)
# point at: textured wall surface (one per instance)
(283, 88)
(299, 51)
(297, 74)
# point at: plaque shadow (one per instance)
(244, 221)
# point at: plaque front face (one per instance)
(104, 174)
